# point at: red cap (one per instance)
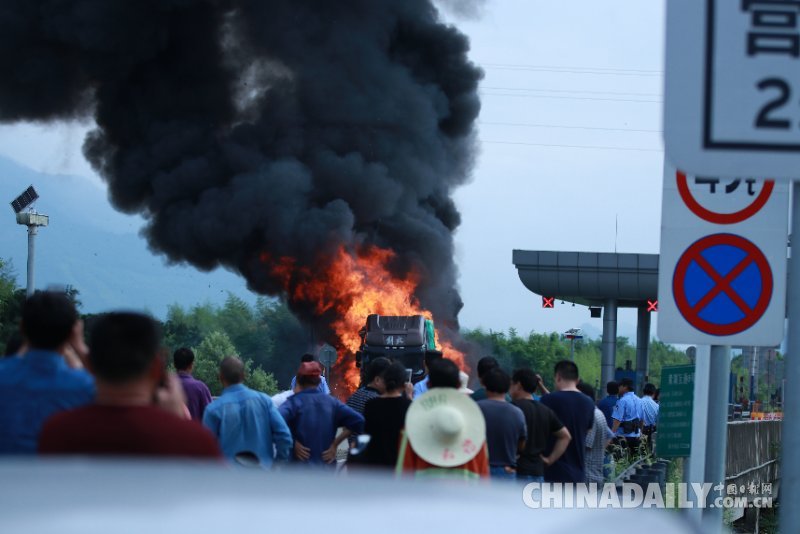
(309, 369)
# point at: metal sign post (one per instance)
(790, 460)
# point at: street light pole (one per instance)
(32, 220)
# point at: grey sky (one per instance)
(561, 77)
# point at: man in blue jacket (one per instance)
(314, 417)
(246, 421)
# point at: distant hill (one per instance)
(98, 250)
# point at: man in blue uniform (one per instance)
(627, 420)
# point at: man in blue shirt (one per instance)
(244, 420)
(627, 420)
(422, 386)
(609, 401)
(40, 384)
(314, 417)
(649, 414)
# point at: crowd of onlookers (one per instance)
(115, 396)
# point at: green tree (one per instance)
(11, 300)
(210, 352)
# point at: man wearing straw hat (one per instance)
(445, 435)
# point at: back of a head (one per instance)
(496, 381)
(443, 373)
(526, 378)
(627, 383)
(612, 388)
(485, 364)
(394, 376)
(431, 356)
(376, 367)
(232, 370)
(567, 370)
(123, 345)
(48, 318)
(306, 358)
(586, 389)
(183, 358)
(649, 389)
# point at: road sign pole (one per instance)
(790, 460)
(716, 432)
(695, 471)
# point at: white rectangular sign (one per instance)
(732, 87)
(722, 266)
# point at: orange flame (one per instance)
(349, 287)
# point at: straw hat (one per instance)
(445, 427)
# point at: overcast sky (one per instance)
(570, 147)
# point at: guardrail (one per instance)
(753, 454)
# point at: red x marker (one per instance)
(548, 302)
(652, 305)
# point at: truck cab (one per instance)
(402, 338)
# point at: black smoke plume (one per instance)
(240, 128)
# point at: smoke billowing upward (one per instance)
(240, 128)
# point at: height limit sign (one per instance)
(722, 268)
(732, 87)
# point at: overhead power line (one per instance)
(557, 97)
(588, 147)
(574, 70)
(567, 127)
(571, 91)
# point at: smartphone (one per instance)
(408, 375)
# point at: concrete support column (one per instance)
(609, 349)
(642, 347)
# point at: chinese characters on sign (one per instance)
(732, 94)
(675, 413)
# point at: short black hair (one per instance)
(308, 380)
(48, 318)
(496, 381)
(444, 373)
(183, 358)
(526, 378)
(13, 344)
(306, 358)
(431, 356)
(375, 368)
(394, 376)
(485, 364)
(123, 345)
(612, 388)
(567, 370)
(232, 370)
(627, 382)
(586, 389)
(649, 389)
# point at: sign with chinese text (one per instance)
(722, 266)
(732, 87)
(674, 437)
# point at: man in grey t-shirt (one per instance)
(505, 425)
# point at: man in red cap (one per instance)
(314, 417)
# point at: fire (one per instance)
(348, 287)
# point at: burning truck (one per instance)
(405, 339)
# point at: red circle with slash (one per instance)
(723, 218)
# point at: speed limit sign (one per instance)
(732, 87)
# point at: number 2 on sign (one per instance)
(764, 120)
